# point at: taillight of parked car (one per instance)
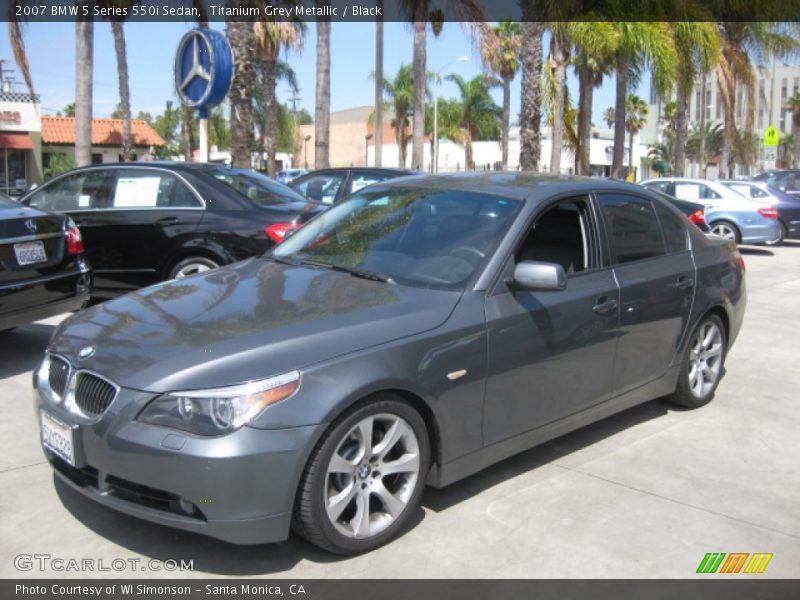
(768, 212)
(74, 238)
(277, 232)
(697, 217)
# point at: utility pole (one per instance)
(703, 108)
(379, 90)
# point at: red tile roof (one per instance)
(105, 132)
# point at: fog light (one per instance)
(187, 506)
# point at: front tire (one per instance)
(364, 479)
(703, 361)
(191, 266)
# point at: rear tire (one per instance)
(703, 361)
(727, 230)
(782, 237)
(364, 479)
(191, 266)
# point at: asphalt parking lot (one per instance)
(645, 493)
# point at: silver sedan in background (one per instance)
(728, 213)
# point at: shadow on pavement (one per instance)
(220, 558)
(21, 349)
(755, 251)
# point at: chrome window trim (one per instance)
(116, 167)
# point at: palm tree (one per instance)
(124, 89)
(530, 109)
(635, 120)
(559, 58)
(84, 66)
(704, 143)
(697, 42)
(479, 113)
(322, 112)
(793, 104)
(742, 44)
(788, 146)
(18, 48)
(469, 13)
(271, 38)
(639, 43)
(502, 58)
(241, 37)
(595, 43)
(400, 93)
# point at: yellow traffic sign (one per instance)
(772, 136)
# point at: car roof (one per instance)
(519, 185)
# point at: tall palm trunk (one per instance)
(242, 40)
(630, 152)
(84, 65)
(418, 124)
(270, 77)
(402, 143)
(530, 110)
(585, 96)
(726, 86)
(379, 90)
(506, 119)
(559, 54)
(124, 89)
(681, 126)
(322, 113)
(619, 118)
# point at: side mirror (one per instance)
(535, 275)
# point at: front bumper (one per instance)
(241, 486)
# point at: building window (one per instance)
(97, 159)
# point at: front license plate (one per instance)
(30, 253)
(58, 437)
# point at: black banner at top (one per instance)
(401, 10)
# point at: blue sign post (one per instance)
(203, 73)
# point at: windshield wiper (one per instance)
(372, 276)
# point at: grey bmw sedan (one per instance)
(411, 335)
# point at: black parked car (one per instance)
(411, 335)
(332, 185)
(147, 222)
(43, 271)
(784, 180)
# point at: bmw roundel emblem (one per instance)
(86, 352)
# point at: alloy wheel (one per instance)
(724, 230)
(371, 476)
(705, 359)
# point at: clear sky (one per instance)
(151, 47)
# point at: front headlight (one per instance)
(219, 410)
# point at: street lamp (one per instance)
(367, 138)
(437, 80)
(305, 149)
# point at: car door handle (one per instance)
(167, 221)
(605, 306)
(684, 283)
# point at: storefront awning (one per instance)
(16, 141)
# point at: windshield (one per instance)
(255, 186)
(410, 236)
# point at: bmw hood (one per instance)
(246, 321)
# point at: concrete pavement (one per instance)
(645, 493)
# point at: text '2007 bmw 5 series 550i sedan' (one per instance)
(412, 335)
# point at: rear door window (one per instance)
(675, 235)
(632, 226)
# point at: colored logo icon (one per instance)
(772, 137)
(734, 562)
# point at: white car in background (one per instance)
(729, 214)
